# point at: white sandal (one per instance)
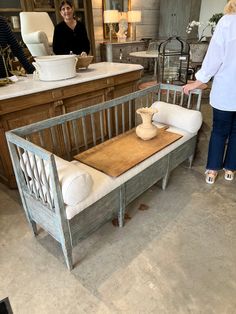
(229, 175)
(211, 176)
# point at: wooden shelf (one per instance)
(44, 9)
(10, 10)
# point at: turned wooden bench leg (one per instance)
(121, 214)
(34, 227)
(166, 176)
(190, 159)
(32, 224)
(67, 251)
(165, 180)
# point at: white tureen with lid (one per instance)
(56, 67)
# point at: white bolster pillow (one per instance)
(75, 183)
(177, 116)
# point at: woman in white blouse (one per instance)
(220, 63)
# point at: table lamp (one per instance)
(133, 18)
(110, 17)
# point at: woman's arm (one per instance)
(193, 85)
(211, 63)
(17, 49)
(83, 43)
(59, 45)
(56, 41)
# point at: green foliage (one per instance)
(215, 18)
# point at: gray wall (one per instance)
(208, 8)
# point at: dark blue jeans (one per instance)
(222, 146)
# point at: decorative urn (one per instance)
(146, 130)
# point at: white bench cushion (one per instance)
(104, 184)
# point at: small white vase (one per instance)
(146, 130)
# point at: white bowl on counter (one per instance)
(55, 68)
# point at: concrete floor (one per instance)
(176, 257)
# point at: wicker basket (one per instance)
(83, 62)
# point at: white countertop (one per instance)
(147, 54)
(144, 54)
(27, 85)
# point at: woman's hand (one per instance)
(193, 85)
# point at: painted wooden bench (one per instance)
(45, 171)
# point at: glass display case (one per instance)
(173, 61)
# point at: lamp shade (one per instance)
(134, 16)
(111, 16)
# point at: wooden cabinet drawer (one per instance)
(119, 52)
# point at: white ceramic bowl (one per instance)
(54, 68)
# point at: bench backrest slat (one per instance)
(101, 121)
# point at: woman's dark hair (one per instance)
(65, 2)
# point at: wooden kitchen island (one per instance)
(29, 100)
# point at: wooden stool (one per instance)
(146, 84)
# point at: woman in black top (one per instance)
(7, 37)
(70, 35)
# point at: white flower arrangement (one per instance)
(193, 24)
(211, 23)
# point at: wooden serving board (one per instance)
(119, 154)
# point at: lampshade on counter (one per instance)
(133, 18)
(110, 17)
